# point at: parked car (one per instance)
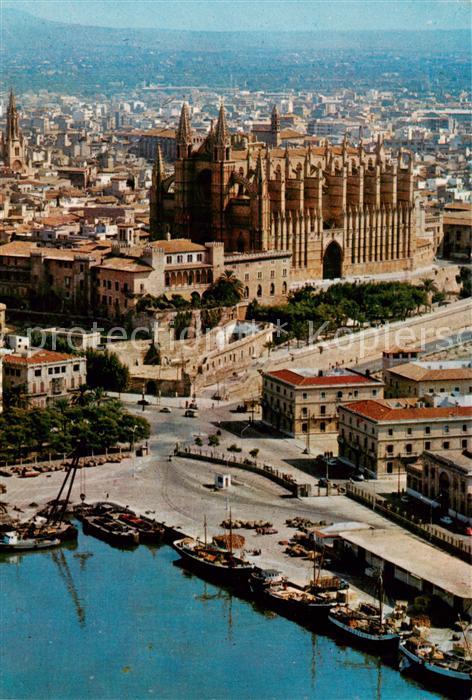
(446, 520)
(357, 477)
(166, 409)
(190, 413)
(323, 481)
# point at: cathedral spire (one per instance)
(222, 137)
(12, 130)
(221, 132)
(14, 145)
(259, 169)
(158, 172)
(11, 101)
(183, 137)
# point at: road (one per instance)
(180, 492)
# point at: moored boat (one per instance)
(64, 531)
(294, 601)
(149, 532)
(366, 625)
(447, 667)
(110, 530)
(12, 541)
(220, 564)
(260, 579)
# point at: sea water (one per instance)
(93, 621)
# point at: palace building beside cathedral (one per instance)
(337, 210)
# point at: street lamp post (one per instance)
(306, 451)
(133, 430)
(399, 463)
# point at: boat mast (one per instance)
(381, 592)
(464, 634)
(56, 514)
(230, 533)
(205, 530)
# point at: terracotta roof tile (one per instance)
(124, 265)
(295, 379)
(38, 357)
(417, 372)
(179, 245)
(384, 411)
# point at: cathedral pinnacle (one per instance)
(158, 167)
(11, 101)
(184, 131)
(259, 169)
(221, 132)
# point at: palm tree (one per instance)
(82, 397)
(98, 394)
(270, 345)
(230, 278)
(429, 287)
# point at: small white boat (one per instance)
(10, 541)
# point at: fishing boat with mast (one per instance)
(449, 668)
(310, 603)
(366, 623)
(47, 529)
(218, 563)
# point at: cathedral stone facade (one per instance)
(338, 210)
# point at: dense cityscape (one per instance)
(235, 292)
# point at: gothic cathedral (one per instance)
(339, 210)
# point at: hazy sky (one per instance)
(255, 14)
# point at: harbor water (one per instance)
(96, 622)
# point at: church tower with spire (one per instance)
(155, 195)
(275, 127)
(14, 144)
(183, 173)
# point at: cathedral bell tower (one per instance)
(221, 169)
(14, 145)
(275, 127)
(183, 173)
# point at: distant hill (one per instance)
(40, 53)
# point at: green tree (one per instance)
(428, 286)
(226, 291)
(182, 321)
(153, 355)
(105, 370)
(464, 278)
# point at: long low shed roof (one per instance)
(417, 557)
